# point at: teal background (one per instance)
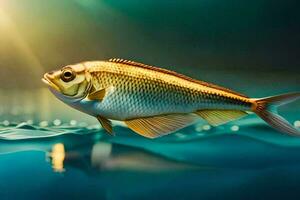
(249, 46)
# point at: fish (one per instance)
(153, 101)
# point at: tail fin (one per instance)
(266, 108)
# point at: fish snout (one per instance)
(49, 80)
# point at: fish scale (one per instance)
(142, 92)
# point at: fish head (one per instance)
(71, 82)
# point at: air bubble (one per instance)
(29, 122)
(73, 122)
(57, 122)
(5, 123)
(235, 128)
(206, 127)
(43, 123)
(198, 128)
(180, 135)
(297, 123)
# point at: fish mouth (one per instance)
(47, 80)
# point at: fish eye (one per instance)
(67, 75)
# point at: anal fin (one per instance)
(157, 126)
(218, 117)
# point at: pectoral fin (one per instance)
(157, 126)
(97, 95)
(100, 94)
(218, 117)
(106, 124)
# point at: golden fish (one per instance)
(154, 102)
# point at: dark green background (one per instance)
(192, 37)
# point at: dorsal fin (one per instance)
(129, 62)
(137, 64)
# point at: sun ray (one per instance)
(10, 30)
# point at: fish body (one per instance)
(150, 100)
(135, 91)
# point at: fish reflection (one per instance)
(88, 154)
(104, 156)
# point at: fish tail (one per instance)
(266, 108)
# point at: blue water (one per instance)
(240, 160)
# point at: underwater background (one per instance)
(51, 151)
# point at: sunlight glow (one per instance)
(9, 29)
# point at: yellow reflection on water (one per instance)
(58, 156)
